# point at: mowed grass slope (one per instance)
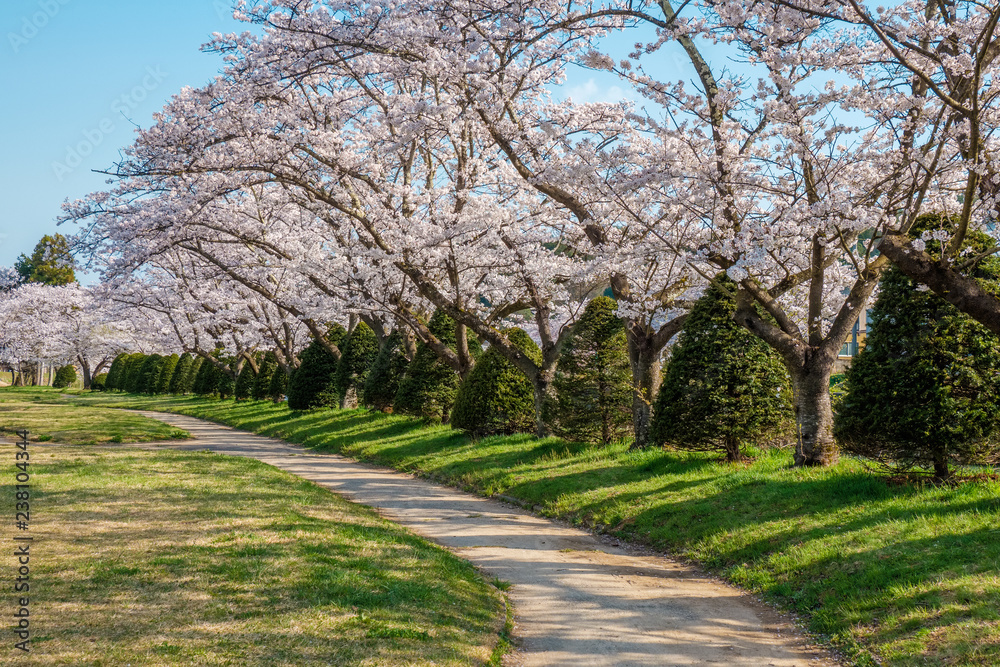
(893, 575)
(191, 558)
(49, 418)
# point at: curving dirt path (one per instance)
(578, 601)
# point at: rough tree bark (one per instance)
(644, 348)
(959, 290)
(85, 367)
(810, 365)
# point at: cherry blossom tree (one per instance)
(424, 205)
(948, 55)
(489, 69)
(61, 324)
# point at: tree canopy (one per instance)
(50, 263)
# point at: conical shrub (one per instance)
(312, 383)
(225, 384)
(723, 388)
(386, 373)
(244, 382)
(116, 372)
(149, 374)
(357, 354)
(268, 366)
(167, 370)
(924, 393)
(591, 397)
(496, 397)
(179, 379)
(430, 385)
(131, 373)
(187, 386)
(207, 379)
(277, 386)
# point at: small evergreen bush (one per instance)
(268, 365)
(245, 382)
(99, 382)
(429, 387)
(206, 380)
(179, 379)
(279, 382)
(115, 373)
(225, 384)
(723, 388)
(187, 386)
(65, 376)
(357, 354)
(924, 393)
(169, 367)
(312, 383)
(149, 374)
(496, 397)
(386, 373)
(591, 397)
(132, 372)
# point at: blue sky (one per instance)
(78, 75)
(75, 76)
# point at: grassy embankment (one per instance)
(181, 558)
(902, 575)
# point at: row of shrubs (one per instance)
(709, 401)
(923, 394)
(139, 373)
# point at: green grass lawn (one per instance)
(50, 418)
(897, 574)
(190, 558)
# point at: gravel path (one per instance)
(578, 601)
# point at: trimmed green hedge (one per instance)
(496, 397)
(592, 387)
(312, 383)
(724, 388)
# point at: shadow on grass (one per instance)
(893, 565)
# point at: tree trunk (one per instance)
(85, 367)
(99, 368)
(350, 399)
(605, 407)
(462, 350)
(941, 471)
(813, 414)
(409, 344)
(733, 453)
(644, 359)
(540, 383)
